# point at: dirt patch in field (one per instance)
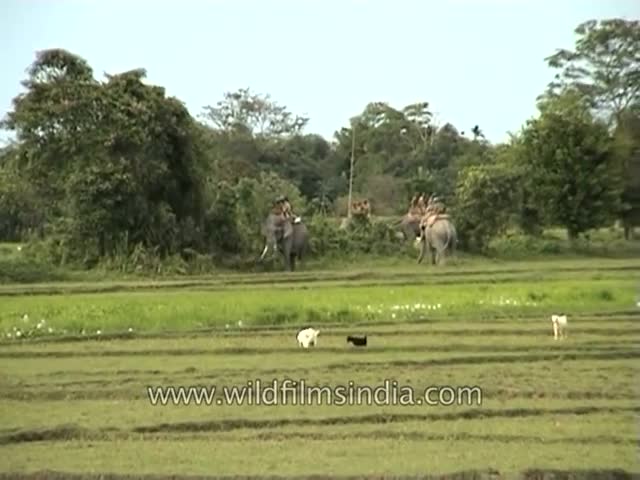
(489, 474)
(56, 434)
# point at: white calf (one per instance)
(559, 323)
(307, 337)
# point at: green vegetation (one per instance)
(130, 236)
(84, 406)
(113, 177)
(330, 298)
(83, 402)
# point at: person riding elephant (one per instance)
(437, 232)
(435, 210)
(421, 203)
(286, 209)
(284, 231)
(439, 235)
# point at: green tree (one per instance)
(572, 174)
(258, 115)
(604, 66)
(388, 142)
(109, 159)
(627, 149)
(484, 203)
(255, 197)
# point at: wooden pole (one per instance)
(353, 152)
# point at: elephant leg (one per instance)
(287, 253)
(423, 247)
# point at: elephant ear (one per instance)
(288, 229)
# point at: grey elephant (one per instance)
(439, 235)
(409, 227)
(289, 235)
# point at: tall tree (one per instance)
(256, 114)
(111, 159)
(604, 66)
(569, 160)
(627, 148)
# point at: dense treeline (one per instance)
(113, 169)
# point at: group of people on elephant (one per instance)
(282, 207)
(426, 221)
(429, 223)
(420, 208)
(361, 208)
(284, 231)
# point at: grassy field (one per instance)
(74, 382)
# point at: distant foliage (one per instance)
(484, 203)
(376, 237)
(570, 167)
(114, 174)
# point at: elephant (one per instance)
(409, 227)
(289, 235)
(440, 236)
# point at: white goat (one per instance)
(307, 337)
(559, 323)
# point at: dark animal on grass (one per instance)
(357, 341)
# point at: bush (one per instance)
(484, 204)
(20, 270)
(375, 237)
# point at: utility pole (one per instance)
(353, 152)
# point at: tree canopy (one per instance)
(104, 166)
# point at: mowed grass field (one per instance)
(74, 383)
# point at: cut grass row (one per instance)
(533, 414)
(82, 406)
(397, 275)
